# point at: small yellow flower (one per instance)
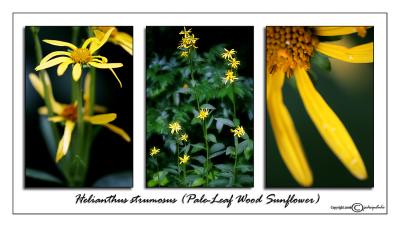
(184, 137)
(78, 57)
(67, 114)
(203, 114)
(238, 131)
(229, 77)
(184, 159)
(188, 41)
(234, 63)
(154, 151)
(122, 39)
(184, 54)
(175, 127)
(228, 54)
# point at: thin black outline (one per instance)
(297, 13)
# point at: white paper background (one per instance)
(62, 201)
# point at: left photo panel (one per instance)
(78, 106)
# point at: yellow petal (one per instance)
(358, 54)
(77, 71)
(63, 66)
(103, 59)
(60, 43)
(285, 133)
(57, 119)
(125, 41)
(118, 131)
(64, 143)
(89, 41)
(329, 126)
(54, 54)
(101, 119)
(94, 48)
(51, 63)
(105, 65)
(334, 31)
(116, 77)
(43, 110)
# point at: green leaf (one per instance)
(230, 150)
(207, 106)
(219, 183)
(217, 147)
(321, 61)
(225, 121)
(224, 167)
(219, 126)
(41, 175)
(197, 147)
(242, 145)
(212, 138)
(200, 159)
(210, 122)
(115, 180)
(236, 122)
(248, 151)
(213, 155)
(245, 168)
(198, 182)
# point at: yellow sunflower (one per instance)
(289, 50)
(78, 57)
(67, 114)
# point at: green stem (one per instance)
(80, 146)
(158, 173)
(184, 175)
(193, 81)
(39, 56)
(207, 152)
(75, 35)
(177, 159)
(92, 90)
(234, 100)
(234, 166)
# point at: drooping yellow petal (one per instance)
(60, 43)
(51, 63)
(77, 71)
(95, 46)
(334, 31)
(63, 66)
(285, 133)
(125, 41)
(116, 77)
(38, 86)
(100, 119)
(119, 131)
(359, 54)
(329, 126)
(64, 143)
(54, 54)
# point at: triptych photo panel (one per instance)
(207, 125)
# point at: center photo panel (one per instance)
(199, 106)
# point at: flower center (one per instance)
(289, 47)
(81, 55)
(70, 112)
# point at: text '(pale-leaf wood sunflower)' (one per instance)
(289, 51)
(67, 114)
(79, 57)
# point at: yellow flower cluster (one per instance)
(238, 131)
(187, 43)
(175, 127)
(229, 56)
(154, 151)
(184, 159)
(203, 114)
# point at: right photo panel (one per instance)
(320, 106)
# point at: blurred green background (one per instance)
(349, 91)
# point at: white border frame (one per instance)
(27, 201)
